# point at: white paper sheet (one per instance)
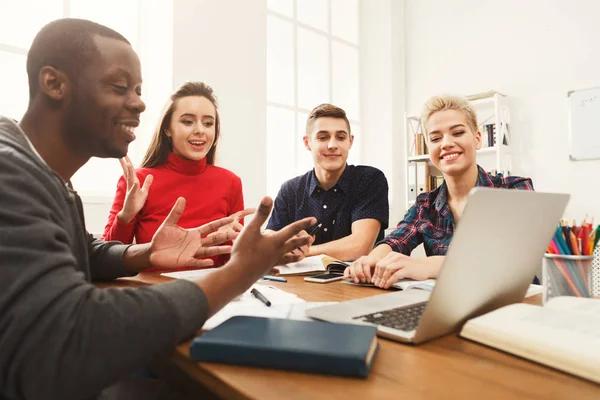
(189, 275)
(247, 304)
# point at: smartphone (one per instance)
(324, 278)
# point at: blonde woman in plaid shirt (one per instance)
(453, 139)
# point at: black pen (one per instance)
(314, 229)
(260, 296)
(311, 232)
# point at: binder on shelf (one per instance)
(422, 177)
(412, 183)
(484, 137)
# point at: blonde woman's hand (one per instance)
(136, 196)
(396, 266)
(360, 271)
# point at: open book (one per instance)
(564, 334)
(312, 265)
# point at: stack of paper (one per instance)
(249, 305)
(189, 275)
(283, 305)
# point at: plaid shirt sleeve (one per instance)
(517, 182)
(406, 236)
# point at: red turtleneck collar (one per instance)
(187, 167)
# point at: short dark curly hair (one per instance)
(66, 44)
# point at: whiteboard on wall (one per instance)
(584, 124)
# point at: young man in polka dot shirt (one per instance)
(350, 202)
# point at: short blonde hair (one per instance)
(449, 102)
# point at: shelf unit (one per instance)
(491, 109)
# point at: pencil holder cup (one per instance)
(564, 275)
(595, 274)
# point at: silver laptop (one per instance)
(493, 257)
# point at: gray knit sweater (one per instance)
(60, 336)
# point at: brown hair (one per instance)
(161, 145)
(326, 110)
(448, 102)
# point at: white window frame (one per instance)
(103, 193)
(330, 40)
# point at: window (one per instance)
(312, 58)
(148, 28)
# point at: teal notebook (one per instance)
(307, 346)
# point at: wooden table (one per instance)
(448, 367)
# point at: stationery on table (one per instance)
(260, 297)
(576, 240)
(429, 284)
(249, 304)
(313, 231)
(312, 265)
(283, 305)
(306, 346)
(563, 334)
(274, 278)
(308, 266)
(568, 259)
(199, 273)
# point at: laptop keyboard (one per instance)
(401, 318)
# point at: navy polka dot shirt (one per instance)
(360, 193)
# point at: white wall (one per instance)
(382, 95)
(223, 43)
(534, 51)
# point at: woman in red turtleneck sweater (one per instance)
(178, 163)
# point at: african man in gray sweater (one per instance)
(59, 334)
